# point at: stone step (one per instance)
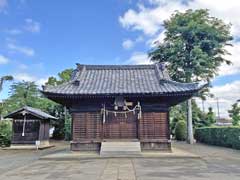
(120, 149)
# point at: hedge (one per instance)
(220, 136)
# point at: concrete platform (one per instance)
(76, 156)
(27, 147)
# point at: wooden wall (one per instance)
(87, 125)
(154, 125)
(31, 131)
(44, 130)
(34, 130)
(88, 129)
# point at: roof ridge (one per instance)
(119, 66)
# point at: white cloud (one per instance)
(13, 31)
(227, 95)
(128, 44)
(234, 68)
(29, 26)
(31, 78)
(159, 38)
(32, 26)
(3, 59)
(21, 49)
(24, 77)
(139, 58)
(41, 81)
(149, 20)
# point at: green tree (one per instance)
(5, 133)
(194, 48)
(210, 117)
(63, 77)
(3, 79)
(25, 94)
(234, 113)
(63, 124)
(178, 113)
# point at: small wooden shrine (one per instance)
(30, 125)
(120, 103)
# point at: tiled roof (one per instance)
(35, 112)
(120, 79)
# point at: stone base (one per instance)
(156, 146)
(85, 146)
(30, 145)
(146, 145)
(44, 143)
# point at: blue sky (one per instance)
(38, 39)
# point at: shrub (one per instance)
(181, 131)
(220, 136)
(5, 133)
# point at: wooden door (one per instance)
(120, 126)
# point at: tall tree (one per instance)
(194, 48)
(25, 94)
(63, 124)
(4, 78)
(234, 113)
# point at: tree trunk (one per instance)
(190, 138)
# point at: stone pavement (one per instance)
(119, 169)
(215, 164)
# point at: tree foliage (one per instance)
(63, 77)
(178, 113)
(234, 113)
(5, 133)
(63, 124)
(181, 130)
(4, 78)
(25, 94)
(210, 117)
(194, 46)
